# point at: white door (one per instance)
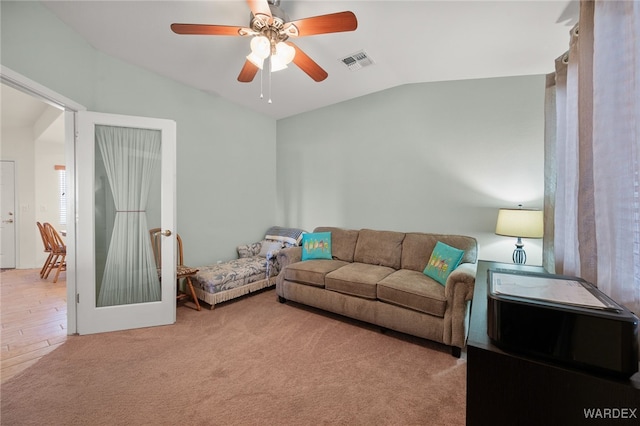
(7, 215)
(126, 185)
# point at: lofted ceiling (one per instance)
(408, 42)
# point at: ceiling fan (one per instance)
(270, 29)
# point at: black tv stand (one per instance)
(504, 388)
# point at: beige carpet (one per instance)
(252, 361)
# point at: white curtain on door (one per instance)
(596, 232)
(130, 157)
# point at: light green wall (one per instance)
(432, 157)
(226, 169)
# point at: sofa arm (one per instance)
(458, 291)
(289, 255)
(461, 280)
(286, 256)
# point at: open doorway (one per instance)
(34, 311)
(33, 139)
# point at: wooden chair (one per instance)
(182, 272)
(58, 252)
(47, 249)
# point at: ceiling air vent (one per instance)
(357, 60)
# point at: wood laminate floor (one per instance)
(33, 318)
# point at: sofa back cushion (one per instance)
(343, 242)
(382, 248)
(417, 248)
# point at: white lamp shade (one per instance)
(255, 60)
(520, 223)
(284, 55)
(260, 46)
(277, 64)
(286, 52)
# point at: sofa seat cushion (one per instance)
(312, 272)
(357, 279)
(414, 290)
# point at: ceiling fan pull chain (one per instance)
(270, 80)
(261, 95)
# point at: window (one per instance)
(62, 191)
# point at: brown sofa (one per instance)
(376, 277)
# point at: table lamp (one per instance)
(520, 223)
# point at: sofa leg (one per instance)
(282, 299)
(456, 351)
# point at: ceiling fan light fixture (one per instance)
(283, 56)
(277, 64)
(260, 46)
(286, 52)
(255, 60)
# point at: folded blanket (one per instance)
(289, 235)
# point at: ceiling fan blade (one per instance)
(323, 24)
(260, 7)
(248, 71)
(202, 29)
(308, 65)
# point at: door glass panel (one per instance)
(127, 204)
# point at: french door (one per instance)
(125, 175)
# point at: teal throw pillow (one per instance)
(316, 246)
(444, 259)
